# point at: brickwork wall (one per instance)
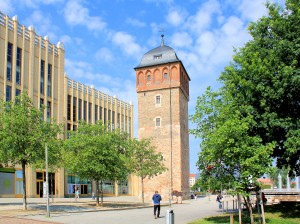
(171, 140)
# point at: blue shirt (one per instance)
(156, 199)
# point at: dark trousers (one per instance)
(157, 208)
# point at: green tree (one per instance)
(94, 152)
(145, 161)
(23, 135)
(228, 154)
(265, 77)
(255, 114)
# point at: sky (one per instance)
(105, 39)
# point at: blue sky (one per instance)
(105, 39)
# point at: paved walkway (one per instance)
(116, 210)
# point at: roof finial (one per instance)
(162, 36)
(162, 40)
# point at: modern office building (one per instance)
(30, 63)
(162, 84)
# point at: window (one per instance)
(9, 61)
(157, 100)
(84, 110)
(118, 120)
(42, 74)
(113, 120)
(8, 93)
(157, 122)
(148, 78)
(48, 110)
(49, 80)
(109, 115)
(100, 113)
(41, 107)
(18, 92)
(96, 113)
(166, 75)
(156, 57)
(79, 109)
(69, 108)
(18, 67)
(74, 108)
(90, 112)
(105, 120)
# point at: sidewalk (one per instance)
(14, 206)
(125, 208)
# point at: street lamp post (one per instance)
(47, 182)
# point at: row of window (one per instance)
(166, 76)
(9, 67)
(82, 110)
(42, 78)
(8, 96)
(48, 108)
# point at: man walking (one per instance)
(156, 201)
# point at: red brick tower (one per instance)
(162, 84)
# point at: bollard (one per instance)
(169, 217)
(231, 219)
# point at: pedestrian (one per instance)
(156, 201)
(93, 195)
(77, 193)
(219, 200)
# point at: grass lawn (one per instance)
(284, 213)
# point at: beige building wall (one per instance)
(36, 54)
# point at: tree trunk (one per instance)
(250, 210)
(101, 193)
(257, 204)
(262, 209)
(97, 193)
(143, 199)
(24, 186)
(240, 209)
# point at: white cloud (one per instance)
(135, 22)
(127, 43)
(182, 39)
(104, 54)
(43, 25)
(203, 19)
(252, 9)
(76, 14)
(6, 6)
(175, 18)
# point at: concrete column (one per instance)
(288, 187)
(279, 182)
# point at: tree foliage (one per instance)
(254, 116)
(23, 135)
(144, 161)
(265, 77)
(95, 153)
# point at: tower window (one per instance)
(166, 75)
(156, 57)
(157, 100)
(157, 122)
(148, 78)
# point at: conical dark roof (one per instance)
(159, 55)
